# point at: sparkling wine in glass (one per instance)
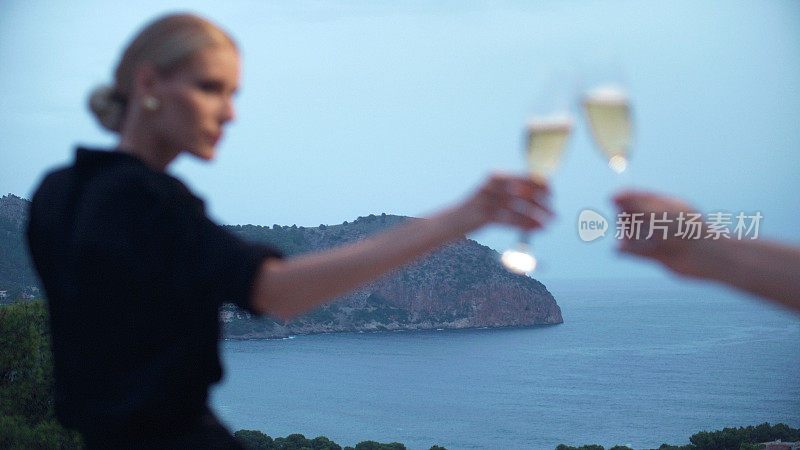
(608, 112)
(545, 139)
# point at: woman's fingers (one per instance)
(521, 186)
(518, 201)
(518, 219)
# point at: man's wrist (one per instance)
(711, 258)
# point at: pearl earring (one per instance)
(150, 103)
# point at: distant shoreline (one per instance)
(410, 330)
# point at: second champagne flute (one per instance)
(608, 112)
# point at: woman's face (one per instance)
(196, 101)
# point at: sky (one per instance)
(352, 108)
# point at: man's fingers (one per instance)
(639, 247)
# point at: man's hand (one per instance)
(677, 247)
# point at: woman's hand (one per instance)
(517, 201)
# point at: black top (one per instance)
(135, 273)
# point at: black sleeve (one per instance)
(227, 265)
(162, 245)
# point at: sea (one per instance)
(636, 363)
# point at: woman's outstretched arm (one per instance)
(287, 288)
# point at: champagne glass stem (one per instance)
(525, 240)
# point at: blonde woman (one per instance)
(135, 272)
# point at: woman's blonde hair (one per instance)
(166, 43)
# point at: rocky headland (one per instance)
(461, 285)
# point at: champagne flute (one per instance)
(608, 111)
(545, 138)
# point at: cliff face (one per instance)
(17, 278)
(14, 209)
(462, 285)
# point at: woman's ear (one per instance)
(146, 81)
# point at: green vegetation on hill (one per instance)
(256, 440)
(27, 416)
(16, 270)
(741, 438)
(293, 240)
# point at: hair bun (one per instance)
(108, 107)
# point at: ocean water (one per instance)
(634, 363)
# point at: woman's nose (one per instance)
(228, 111)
